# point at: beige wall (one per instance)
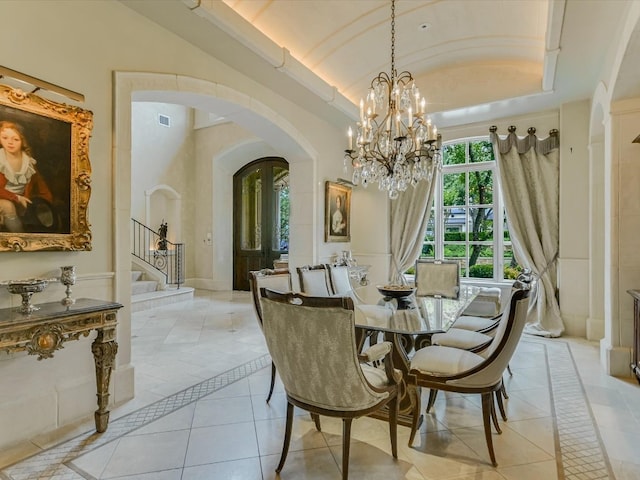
(82, 50)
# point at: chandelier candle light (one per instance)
(400, 148)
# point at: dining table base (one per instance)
(410, 395)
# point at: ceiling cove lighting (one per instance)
(396, 144)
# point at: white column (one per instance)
(595, 322)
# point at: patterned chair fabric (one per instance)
(278, 280)
(312, 342)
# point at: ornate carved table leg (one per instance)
(410, 398)
(104, 350)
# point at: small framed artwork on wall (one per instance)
(45, 173)
(337, 224)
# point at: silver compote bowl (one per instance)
(27, 288)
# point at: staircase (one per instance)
(157, 269)
(145, 293)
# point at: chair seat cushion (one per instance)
(467, 322)
(444, 360)
(374, 315)
(377, 376)
(459, 338)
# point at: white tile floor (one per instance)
(201, 380)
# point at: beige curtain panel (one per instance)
(528, 170)
(409, 216)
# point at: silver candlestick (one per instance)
(68, 278)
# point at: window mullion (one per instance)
(439, 211)
(475, 160)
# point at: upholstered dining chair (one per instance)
(299, 331)
(314, 280)
(475, 334)
(279, 280)
(437, 278)
(325, 280)
(339, 278)
(488, 303)
(456, 370)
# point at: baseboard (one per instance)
(616, 361)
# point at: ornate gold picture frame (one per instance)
(337, 223)
(45, 173)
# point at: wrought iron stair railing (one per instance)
(156, 251)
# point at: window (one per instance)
(468, 222)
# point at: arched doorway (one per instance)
(260, 217)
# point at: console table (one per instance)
(635, 366)
(43, 331)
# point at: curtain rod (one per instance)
(530, 131)
(40, 84)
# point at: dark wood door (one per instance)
(260, 217)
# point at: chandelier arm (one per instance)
(397, 147)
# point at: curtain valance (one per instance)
(524, 144)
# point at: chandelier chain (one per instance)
(393, 40)
(396, 145)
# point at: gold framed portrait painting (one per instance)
(337, 224)
(45, 173)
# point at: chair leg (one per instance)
(498, 395)
(503, 391)
(393, 426)
(432, 399)
(487, 402)
(509, 370)
(273, 381)
(494, 416)
(415, 420)
(346, 443)
(316, 419)
(287, 437)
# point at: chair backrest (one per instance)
(437, 278)
(314, 280)
(487, 303)
(504, 343)
(279, 280)
(526, 280)
(312, 342)
(340, 280)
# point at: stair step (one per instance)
(143, 286)
(159, 298)
(136, 275)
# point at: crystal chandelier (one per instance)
(395, 145)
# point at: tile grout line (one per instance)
(580, 450)
(50, 463)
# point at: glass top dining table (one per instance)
(426, 315)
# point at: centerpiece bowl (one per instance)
(399, 294)
(396, 291)
(26, 288)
